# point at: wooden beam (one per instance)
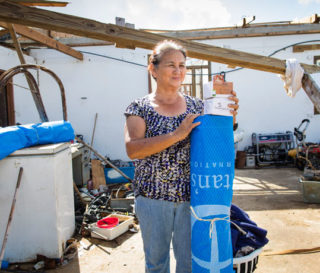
(39, 37)
(3, 32)
(42, 3)
(244, 32)
(16, 43)
(37, 99)
(15, 13)
(313, 19)
(312, 90)
(301, 48)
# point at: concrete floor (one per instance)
(272, 198)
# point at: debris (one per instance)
(48, 263)
(103, 158)
(85, 246)
(97, 231)
(134, 228)
(71, 251)
(39, 265)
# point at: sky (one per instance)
(189, 14)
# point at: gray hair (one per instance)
(164, 46)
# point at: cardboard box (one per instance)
(222, 88)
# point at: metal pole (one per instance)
(10, 216)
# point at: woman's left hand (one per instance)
(234, 106)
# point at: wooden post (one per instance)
(37, 99)
(312, 90)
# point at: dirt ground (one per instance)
(273, 199)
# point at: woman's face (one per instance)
(171, 70)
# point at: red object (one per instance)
(108, 222)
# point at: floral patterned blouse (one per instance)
(164, 175)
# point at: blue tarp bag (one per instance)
(13, 138)
(212, 173)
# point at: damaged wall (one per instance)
(105, 86)
(264, 105)
(94, 85)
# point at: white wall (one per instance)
(24, 105)
(106, 86)
(95, 85)
(264, 105)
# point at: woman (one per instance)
(157, 135)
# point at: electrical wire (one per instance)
(202, 74)
(211, 74)
(271, 54)
(112, 58)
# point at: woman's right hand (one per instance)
(186, 126)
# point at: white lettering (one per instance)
(227, 185)
(216, 180)
(193, 178)
(206, 184)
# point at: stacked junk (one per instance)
(106, 210)
(39, 180)
(288, 149)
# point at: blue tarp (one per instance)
(13, 138)
(212, 173)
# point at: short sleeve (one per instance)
(197, 105)
(134, 109)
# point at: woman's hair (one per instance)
(164, 46)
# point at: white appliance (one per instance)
(43, 219)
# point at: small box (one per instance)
(111, 233)
(250, 161)
(310, 191)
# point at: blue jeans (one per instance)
(160, 221)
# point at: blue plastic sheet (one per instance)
(13, 138)
(212, 173)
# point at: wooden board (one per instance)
(130, 38)
(312, 90)
(98, 176)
